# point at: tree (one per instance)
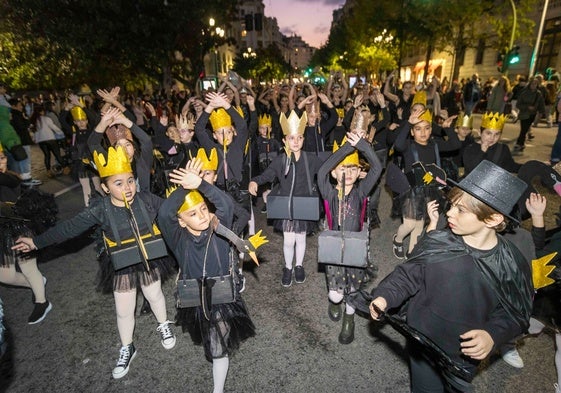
(264, 64)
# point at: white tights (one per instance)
(294, 241)
(219, 372)
(125, 303)
(30, 277)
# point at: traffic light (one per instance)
(500, 61)
(249, 22)
(513, 56)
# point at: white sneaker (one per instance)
(513, 358)
(557, 388)
(168, 338)
(126, 355)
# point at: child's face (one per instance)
(117, 185)
(128, 146)
(196, 219)
(490, 137)
(264, 131)
(462, 221)
(464, 131)
(224, 135)
(3, 162)
(421, 132)
(351, 173)
(209, 176)
(81, 124)
(173, 134)
(186, 136)
(294, 142)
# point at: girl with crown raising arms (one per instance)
(135, 255)
(295, 173)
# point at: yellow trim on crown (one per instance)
(493, 121)
(115, 163)
(219, 118)
(192, 199)
(351, 159)
(293, 125)
(210, 163)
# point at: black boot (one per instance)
(334, 311)
(347, 334)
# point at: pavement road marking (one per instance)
(65, 190)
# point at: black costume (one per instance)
(498, 154)
(229, 323)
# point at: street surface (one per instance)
(295, 350)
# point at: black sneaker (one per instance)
(145, 309)
(530, 136)
(299, 274)
(168, 338)
(264, 208)
(39, 313)
(286, 277)
(398, 250)
(126, 355)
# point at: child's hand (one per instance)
(414, 117)
(252, 188)
(448, 122)
(353, 138)
(476, 344)
(195, 166)
(24, 244)
(432, 212)
(381, 303)
(186, 178)
(536, 204)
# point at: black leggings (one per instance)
(47, 147)
(524, 128)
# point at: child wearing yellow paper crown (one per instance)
(189, 229)
(344, 166)
(127, 221)
(265, 149)
(425, 150)
(292, 174)
(490, 148)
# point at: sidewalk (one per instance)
(56, 185)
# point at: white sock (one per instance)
(535, 326)
(219, 372)
(349, 310)
(335, 297)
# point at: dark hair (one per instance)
(482, 211)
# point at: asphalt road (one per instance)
(295, 350)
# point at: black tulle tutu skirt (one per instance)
(414, 201)
(220, 336)
(547, 306)
(129, 278)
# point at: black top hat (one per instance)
(494, 186)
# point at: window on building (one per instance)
(480, 51)
(549, 47)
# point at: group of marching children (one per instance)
(138, 227)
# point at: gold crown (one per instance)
(257, 240)
(192, 199)
(1, 148)
(185, 122)
(351, 159)
(493, 121)
(117, 132)
(541, 271)
(464, 121)
(265, 120)
(210, 163)
(293, 125)
(170, 190)
(360, 119)
(78, 113)
(220, 118)
(340, 112)
(426, 116)
(117, 162)
(420, 97)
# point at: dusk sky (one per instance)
(310, 19)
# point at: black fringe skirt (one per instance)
(129, 278)
(220, 336)
(414, 201)
(9, 232)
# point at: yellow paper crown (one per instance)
(210, 163)
(493, 121)
(464, 121)
(351, 159)
(427, 116)
(220, 118)
(1, 148)
(170, 190)
(293, 125)
(420, 97)
(192, 199)
(541, 270)
(117, 162)
(78, 113)
(340, 112)
(257, 240)
(265, 120)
